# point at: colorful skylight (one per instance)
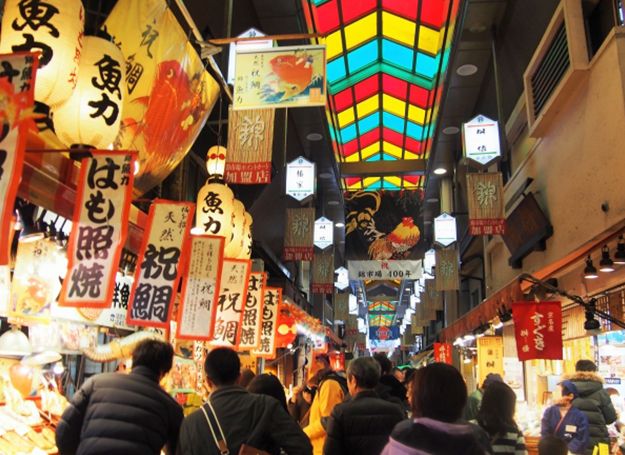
(382, 307)
(381, 319)
(386, 59)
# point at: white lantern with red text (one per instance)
(216, 160)
(234, 247)
(54, 28)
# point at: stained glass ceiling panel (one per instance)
(381, 319)
(382, 307)
(386, 62)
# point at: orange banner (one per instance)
(272, 299)
(252, 315)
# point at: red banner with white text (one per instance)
(538, 330)
(442, 353)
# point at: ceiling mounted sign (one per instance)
(445, 229)
(480, 140)
(245, 45)
(324, 233)
(384, 270)
(300, 179)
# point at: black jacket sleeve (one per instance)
(607, 408)
(176, 417)
(68, 429)
(334, 440)
(286, 433)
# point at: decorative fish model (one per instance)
(120, 348)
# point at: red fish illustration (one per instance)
(295, 73)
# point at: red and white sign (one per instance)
(253, 312)
(200, 287)
(235, 274)
(99, 229)
(158, 268)
(538, 330)
(272, 298)
(442, 353)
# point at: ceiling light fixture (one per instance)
(466, 70)
(590, 272)
(333, 202)
(432, 200)
(326, 175)
(339, 224)
(619, 256)
(606, 264)
(314, 137)
(591, 324)
(440, 171)
(451, 130)
(469, 337)
(505, 315)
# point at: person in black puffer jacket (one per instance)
(115, 413)
(593, 401)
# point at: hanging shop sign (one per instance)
(235, 275)
(323, 272)
(324, 233)
(300, 179)
(99, 228)
(250, 145)
(447, 275)
(341, 307)
(384, 270)
(407, 338)
(486, 208)
(445, 229)
(298, 238)
(161, 258)
(253, 312)
(280, 77)
(489, 357)
(200, 287)
(170, 94)
(538, 330)
(215, 210)
(17, 85)
(480, 140)
(383, 333)
(245, 45)
(272, 299)
(442, 353)
(416, 327)
(342, 278)
(433, 296)
(351, 330)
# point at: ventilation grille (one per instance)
(550, 70)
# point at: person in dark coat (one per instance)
(255, 420)
(362, 424)
(124, 413)
(299, 404)
(268, 384)
(594, 401)
(389, 382)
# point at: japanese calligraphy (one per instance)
(251, 323)
(538, 330)
(233, 291)
(272, 298)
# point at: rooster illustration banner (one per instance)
(382, 225)
(170, 94)
(485, 199)
(280, 77)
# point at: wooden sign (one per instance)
(447, 274)
(341, 307)
(489, 356)
(323, 272)
(433, 297)
(486, 205)
(298, 235)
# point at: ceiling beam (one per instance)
(383, 168)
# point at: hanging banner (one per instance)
(253, 312)
(384, 270)
(250, 146)
(298, 236)
(407, 338)
(480, 139)
(341, 307)
(17, 85)
(351, 330)
(161, 258)
(489, 357)
(447, 275)
(170, 94)
(235, 276)
(486, 208)
(301, 179)
(384, 333)
(200, 287)
(445, 231)
(280, 77)
(416, 327)
(323, 272)
(442, 353)
(433, 297)
(99, 228)
(324, 233)
(272, 298)
(538, 330)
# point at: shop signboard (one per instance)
(324, 233)
(298, 237)
(272, 299)
(160, 261)
(480, 140)
(384, 270)
(200, 287)
(300, 179)
(383, 333)
(99, 229)
(323, 272)
(445, 229)
(342, 278)
(442, 353)
(447, 274)
(280, 77)
(243, 45)
(341, 307)
(489, 357)
(253, 312)
(235, 276)
(485, 199)
(538, 330)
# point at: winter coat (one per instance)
(573, 430)
(397, 389)
(299, 409)
(361, 425)
(329, 394)
(474, 401)
(120, 413)
(425, 436)
(595, 402)
(245, 418)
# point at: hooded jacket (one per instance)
(595, 403)
(329, 394)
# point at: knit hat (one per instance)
(490, 378)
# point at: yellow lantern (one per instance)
(246, 248)
(92, 115)
(215, 209)
(233, 248)
(55, 28)
(216, 160)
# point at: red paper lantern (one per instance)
(287, 329)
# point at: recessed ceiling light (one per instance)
(451, 130)
(440, 171)
(333, 202)
(432, 200)
(326, 175)
(314, 136)
(427, 222)
(466, 70)
(339, 225)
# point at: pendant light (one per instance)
(619, 256)
(606, 264)
(590, 272)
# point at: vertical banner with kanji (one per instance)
(434, 297)
(323, 272)
(442, 353)
(250, 146)
(299, 234)
(253, 312)
(235, 275)
(341, 307)
(351, 330)
(447, 274)
(486, 208)
(489, 357)
(161, 258)
(100, 224)
(538, 330)
(200, 287)
(17, 85)
(272, 298)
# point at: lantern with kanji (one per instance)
(54, 28)
(246, 248)
(92, 114)
(234, 247)
(216, 160)
(287, 329)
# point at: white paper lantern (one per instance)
(53, 27)
(215, 209)
(233, 248)
(216, 160)
(246, 249)
(92, 115)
